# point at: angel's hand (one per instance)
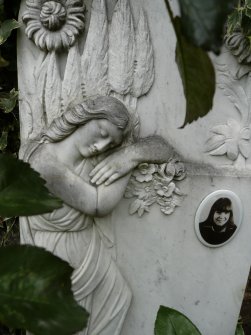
(113, 167)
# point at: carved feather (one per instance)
(95, 57)
(39, 76)
(52, 90)
(71, 86)
(26, 128)
(121, 49)
(144, 61)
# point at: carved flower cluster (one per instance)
(54, 25)
(153, 183)
(231, 139)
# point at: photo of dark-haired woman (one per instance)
(219, 226)
(217, 219)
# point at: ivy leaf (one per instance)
(6, 28)
(3, 139)
(1, 10)
(197, 74)
(203, 21)
(3, 62)
(35, 292)
(8, 101)
(172, 322)
(239, 330)
(22, 190)
(234, 21)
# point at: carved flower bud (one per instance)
(53, 15)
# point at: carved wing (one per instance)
(144, 61)
(94, 60)
(122, 49)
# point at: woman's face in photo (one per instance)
(221, 218)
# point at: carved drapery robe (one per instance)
(77, 238)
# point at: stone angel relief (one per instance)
(87, 161)
(80, 130)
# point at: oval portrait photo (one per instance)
(218, 218)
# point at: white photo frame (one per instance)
(218, 218)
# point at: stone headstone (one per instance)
(155, 235)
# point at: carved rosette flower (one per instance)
(239, 46)
(55, 24)
(229, 139)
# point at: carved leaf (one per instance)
(52, 90)
(95, 56)
(38, 104)
(26, 128)
(219, 151)
(234, 91)
(178, 192)
(71, 86)
(245, 133)
(40, 74)
(221, 129)
(244, 147)
(232, 149)
(134, 207)
(214, 142)
(144, 62)
(177, 200)
(122, 50)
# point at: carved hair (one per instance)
(105, 107)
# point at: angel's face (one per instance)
(98, 136)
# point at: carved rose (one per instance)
(54, 25)
(166, 170)
(180, 171)
(144, 172)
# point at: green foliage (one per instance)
(239, 330)
(3, 62)
(9, 232)
(35, 292)
(8, 101)
(3, 140)
(203, 21)
(22, 191)
(240, 19)
(9, 122)
(200, 27)
(197, 74)
(172, 322)
(6, 28)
